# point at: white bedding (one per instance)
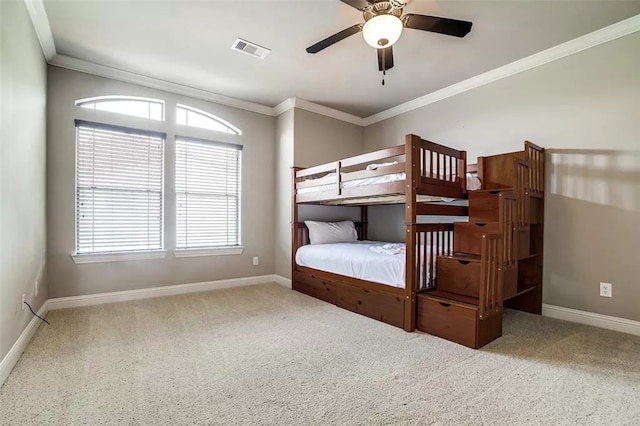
(473, 183)
(356, 260)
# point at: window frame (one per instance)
(232, 130)
(109, 98)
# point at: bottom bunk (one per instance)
(368, 277)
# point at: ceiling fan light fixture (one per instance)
(382, 31)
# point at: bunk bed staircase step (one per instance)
(456, 318)
(484, 205)
(459, 274)
(467, 236)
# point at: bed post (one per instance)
(462, 171)
(480, 172)
(365, 222)
(294, 228)
(412, 161)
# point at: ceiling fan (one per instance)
(383, 26)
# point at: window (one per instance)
(192, 117)
(152, 109)
(119, 179)
(207, 194)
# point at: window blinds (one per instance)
(207, 194)
(119, 179)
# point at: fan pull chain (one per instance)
(383, 74)
(384, 67)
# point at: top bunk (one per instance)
(418, 171)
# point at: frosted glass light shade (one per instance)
(382, 31)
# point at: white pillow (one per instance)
(377, 166)
(331, 232)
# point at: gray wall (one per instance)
(307, 139)
(23, 86)
(318, 140)
(585, 109)
(284, 162)
(70, 279)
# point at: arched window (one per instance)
(152, 109)
(192, 117)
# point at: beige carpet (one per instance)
(267, 355)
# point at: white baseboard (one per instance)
(12, 357)
(148, 293)
(589, 318)
(282, 280)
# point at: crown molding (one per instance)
(328, 112)
(284, 106)
(291, 103)
(40, 21)
(75, 64)
(612, 32)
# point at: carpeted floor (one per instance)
(267, 355)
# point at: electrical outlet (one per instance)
(256, 261)
(606, 289)
(24, 299)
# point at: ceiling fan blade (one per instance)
(334, 38)
(447, 26)
(358, 4)
(385, 58)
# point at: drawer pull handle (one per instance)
(464, 262)
(481, 224)
(446, 305)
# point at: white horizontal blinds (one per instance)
(207, 194)
(119, 178)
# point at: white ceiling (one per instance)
(188, 42)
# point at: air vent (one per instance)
(249, 48)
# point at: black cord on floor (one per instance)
(36, 314)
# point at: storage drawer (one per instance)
(458, 275)
(313, 286)
(451, 321)
(483, 206)
(467, 236)
(380, 306)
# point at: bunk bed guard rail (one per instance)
(435, 170)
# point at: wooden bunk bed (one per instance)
(418, 174)
(495, 259)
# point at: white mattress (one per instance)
(356, 260)
(473, 183)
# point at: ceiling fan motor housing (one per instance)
(383, 7)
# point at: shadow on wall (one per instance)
(598, 176)
(592, 230)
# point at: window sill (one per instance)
(221, 251)
(118, 257)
